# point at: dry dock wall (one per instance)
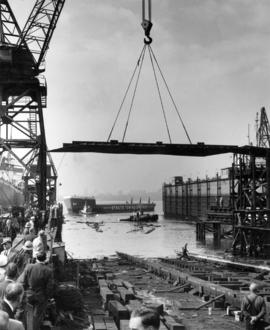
(195, 198)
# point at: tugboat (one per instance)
(141, 217)
(87, 210)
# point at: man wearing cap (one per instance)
(25, 256)
(8, 251)
(253, 309)
(37, 280)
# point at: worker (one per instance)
(37, 280)
(13, 295)
(25, 256)
(26, 228)
(32, 222)
(3, 264)
(7, 244)
(184, 252)
(40, 244)
(253, 309)
(144, 318)
(29, 234)
(9, 324)
(10, 277)
(9, 230)
(59, 224)
(21, 221)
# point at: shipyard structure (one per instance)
(195, 198)
(240, 198)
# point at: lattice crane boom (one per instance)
(39, 28)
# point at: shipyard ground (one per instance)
(180, 308)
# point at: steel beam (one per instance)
(159, 148)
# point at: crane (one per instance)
(23, 96)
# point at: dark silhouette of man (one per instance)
(37, 280)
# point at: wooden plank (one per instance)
(110, 324)
(171, 324)
(106, 294)
(98, 323)
(118, 282)
(125, 295)
(109, 276)
(124, 324)
(128, 285)
(133, 304)
(102, 283)
(155, 306)
(211, 301)
(118, 311)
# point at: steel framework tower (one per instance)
(23, 96)
(251, 196)
(263, 130)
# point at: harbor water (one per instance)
(83, 241)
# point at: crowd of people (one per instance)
(26, 283)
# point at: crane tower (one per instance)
(23, 96)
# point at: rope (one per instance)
(61, 161)
(167, 87)
(134, 92)
(159, 93)
(126, 92)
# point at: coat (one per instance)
(6, 308)
(3, 286)
(37, 280)
(15, 325)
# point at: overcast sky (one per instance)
(216, 58)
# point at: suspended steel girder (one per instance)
(159, 148)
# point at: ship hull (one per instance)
(10, 195)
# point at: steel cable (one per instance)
(134, 93)
(172, 99)
(159, 93)
(126, 92)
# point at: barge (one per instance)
(141, 218)
(75, 204)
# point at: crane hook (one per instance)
(147, 40)
(146, 21)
